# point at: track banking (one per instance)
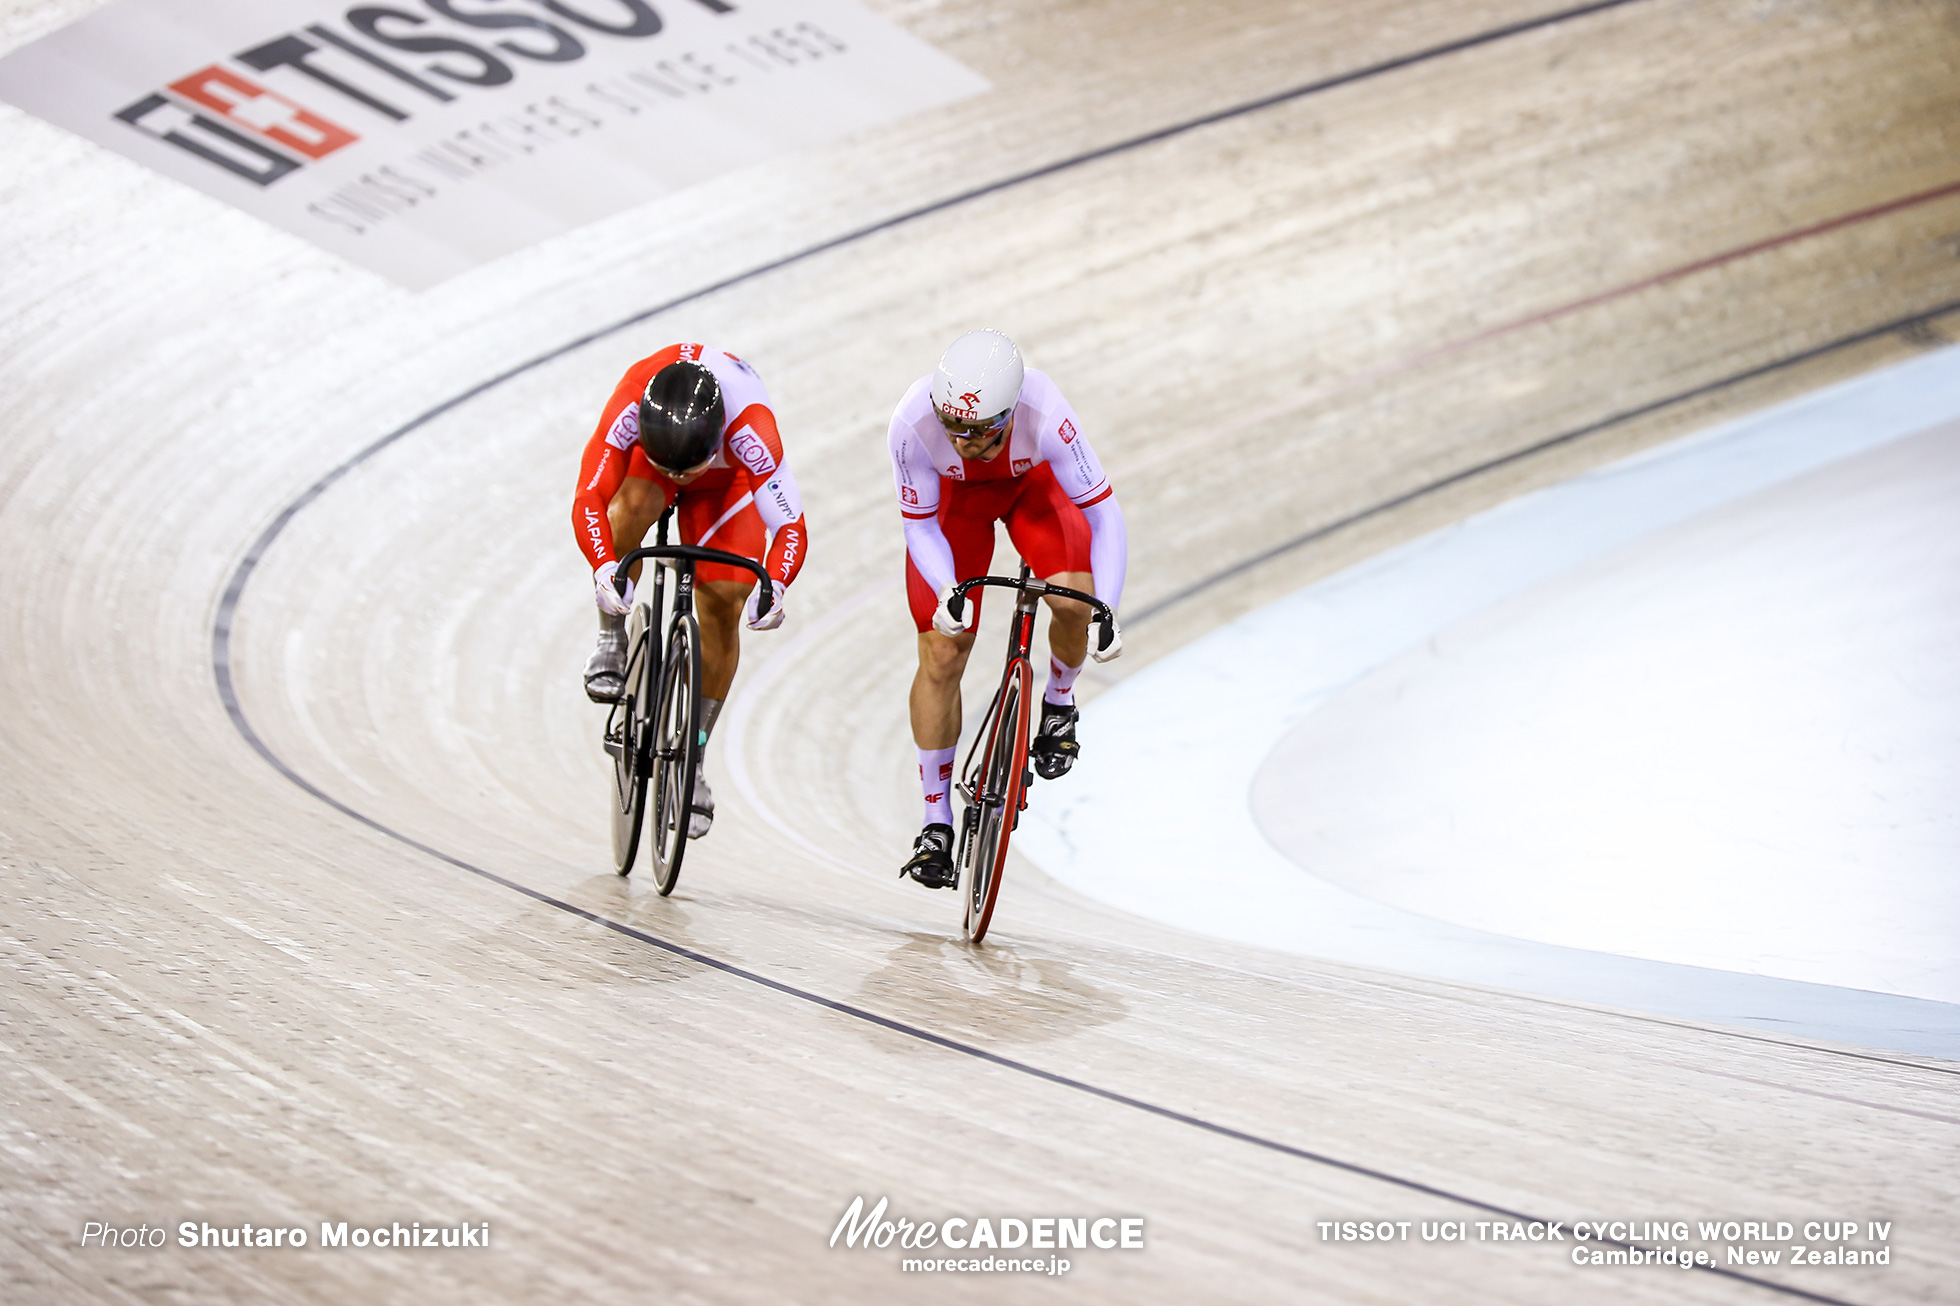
(392, 61)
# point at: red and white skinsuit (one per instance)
(746, 502)
(1047, 485)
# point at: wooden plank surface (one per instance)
(227, 1000)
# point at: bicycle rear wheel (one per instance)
(675, 746)
(999, 795)
(628, 730)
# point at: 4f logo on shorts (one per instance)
(755, 455)
(1067, 431)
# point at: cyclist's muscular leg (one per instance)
(936, 730)
(1055, 748)
(1068, 619)
(632, 513)
(718, 609)
(718, 605)
(936, 689)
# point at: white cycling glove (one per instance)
(943, 620)
(770, 619)
(611, 602)
(1115, 649)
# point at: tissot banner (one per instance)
(423, 137)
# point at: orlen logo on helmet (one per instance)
(971, 400)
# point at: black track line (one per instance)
(1516, 455)
(226, 615)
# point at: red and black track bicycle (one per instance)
(653, 732)
(994, 781)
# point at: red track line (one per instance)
(1171, 452)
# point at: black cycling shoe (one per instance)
(932, 858)
(1054, 748)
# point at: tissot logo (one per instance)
(366, 68)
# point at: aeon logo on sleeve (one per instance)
(755, 455)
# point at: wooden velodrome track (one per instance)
(307, 910)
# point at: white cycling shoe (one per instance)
(605, 670)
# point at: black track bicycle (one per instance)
(994, 781)
(653, 732)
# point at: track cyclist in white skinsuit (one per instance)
(985, 439)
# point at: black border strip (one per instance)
(1531, 450)
(226, 615)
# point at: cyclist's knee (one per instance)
(1068, 612)
(942, 657)
(720, 601)
(635, 508)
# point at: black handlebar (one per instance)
(1104, 618)
(676, 552)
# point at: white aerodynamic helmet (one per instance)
(977, 382)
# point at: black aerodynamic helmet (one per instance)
(681, 417)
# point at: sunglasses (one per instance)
(971, 431)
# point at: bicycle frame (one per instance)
(663, 684)
(673, 555)
(994, 780)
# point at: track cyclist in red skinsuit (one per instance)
(691, 424)
(984, 439)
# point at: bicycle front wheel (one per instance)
(676, 745)
(998, 798)
(629, 729)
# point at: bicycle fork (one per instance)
(971, 786)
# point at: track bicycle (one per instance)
(653, 731)
(994, 781)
